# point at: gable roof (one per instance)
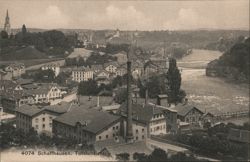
(111, 63)
(183, 110)
(142, 113)
(29, 110)
(32, 110)
(95, 120)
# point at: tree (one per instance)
(24, 30)
(175, 95)
(4, 34)
(155, 85)
(121, 95)
(47, 76)
(89, 87)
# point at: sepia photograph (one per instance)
(124, 80)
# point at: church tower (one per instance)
(7, 24)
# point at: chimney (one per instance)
(146, 96)
(129, 132)
(98, 101)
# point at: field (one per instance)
(80, 52)
(211, 94)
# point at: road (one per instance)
(67, 98)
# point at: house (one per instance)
(188, 113)
(239, 135)
(12, 95)
(121, 70)
(113, 149)
(121, 57)
(157, 119)
(86, 125)
(31, 116)
(155, 66)
(16, 69)
(55, 67)
(82, 74)
(46, 92)
(5, 75)
(12, 100)
(102, 77)
(111, 67)
(137, 69)
(102, 73)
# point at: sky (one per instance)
(127, 15)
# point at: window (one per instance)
(100, 137)
(37, 120)
(113, 135)
(113, 128)
(142, 130)
(43, 119)
(50, 125)
(136, 131)
(107, 136)
(136, 138)
(43, 126)
(142, 137)
(117, 127)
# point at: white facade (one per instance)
(111, 68)
(55, 68)
(157, 125)
(82, 75)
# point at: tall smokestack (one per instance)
(146, 96)
(129, 132)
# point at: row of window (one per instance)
(43, 126)
(155, 129)
(43, 119)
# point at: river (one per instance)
(210, 94)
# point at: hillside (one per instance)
(233, 64)
(28, 53)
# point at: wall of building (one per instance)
(79, 76)
(109, 133)
(193, 117)
(157, 125)
(111, 68)
(42, 123)
(23, 122)
(140, 131)
(72, 132)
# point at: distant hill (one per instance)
(24, 53)
(233, 64)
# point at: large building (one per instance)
(13, 96)
(46, 92)
(7, 24)
(40, 119)
(52, 66)
(188, 113)
(87, 125)
(15, 70)
(82, 74)
(157, 119)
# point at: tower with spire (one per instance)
(7, 24)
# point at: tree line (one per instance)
(51, 42)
